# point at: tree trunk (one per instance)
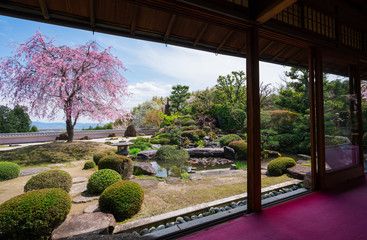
(70, 130)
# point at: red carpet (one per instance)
(320, 215)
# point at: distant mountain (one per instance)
(61, 125)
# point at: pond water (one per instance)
(176, 168)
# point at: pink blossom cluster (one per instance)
(80, 81)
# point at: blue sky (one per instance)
(152, 68)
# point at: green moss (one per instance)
(167, 153)
(278, 166)
(49, 179)
(8, 170)
(240, 148)
(34, 215)
(102, 179)
(122, 199)
(225, 140)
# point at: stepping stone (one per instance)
(80, 179)
(146, 182)
(31, 171)
(195, 177)
(57, 165)
(78, 188)
(171, 180)
(92, 208)
(85, 198)
(77, 163)
(85, 224)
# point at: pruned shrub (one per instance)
(191, 133)
(122, 199)
(168, 152)
(225, 140)
(49, 179)
(102, 179)
(130, 131)
(89, 165)
(121, 164)
(9, 170)
(191, 127)
(142, 143)
(336, 140)
(34, 215)
(278, 166)
(240, 148)
(98, 156)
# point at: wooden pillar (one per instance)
(321, 170)
(359, 113)
(253, 122)
(311, 70)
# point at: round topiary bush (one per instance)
(119, 163)
(225, 140)
(168, 152)
(122, 199)
(49, 179)
(102, 179)
(98, 156)
(9, 170)
(89, 165)
(34, 215)
(240, 148)
(278, 166)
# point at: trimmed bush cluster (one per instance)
(168, 152)
(336, 140)
(9, 170)
(194, 135)
(121, 164)
(99, 155)
(122, 199)
(49, 179)
(89, 165)
(102, 179)
(225, 140)
(278, 166)
(34, 215)
(141, 143)
(240, 148)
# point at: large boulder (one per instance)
(298, 171)
(130, 131)
(85, 224)
(206, 152)
(147, 154)
(212, 144)
(229, 153)
(307, 181)
(144, 168)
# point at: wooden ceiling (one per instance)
(217, 26)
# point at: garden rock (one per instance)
(195, 177)
(85, 198)
(78, 188)
(229, 153)
(146, 182)
(212, 144)
(206, 152)
(144, 168)
(57, 165)
(305, 157)
(85, 138)
(307, 181)
(298, 171)
(85, 224)
(80, 180)
(62, 136)
(172, 180)
(92, 208)
(31, 171)
(273, 154)
(146, 154)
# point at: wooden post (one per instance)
(311, 70)
(253, 122)
(320, 120)
(359, 113)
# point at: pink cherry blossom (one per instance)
(80, 81)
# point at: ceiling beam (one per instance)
(280, 53)
(294, 55)
(169, 27)
(92, 14)
(273, 10)
(266, 47)
(202, 31)
(224, 40)
(134, 20)
(44, 9)
(243, 48)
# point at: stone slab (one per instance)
(92, 208)
(206, 152)
(78, 188)
(172, 180)
(84, 198)
(57, 165)
(85, 224)
(80, 180)
(31, 171)
(145, 168)
(146, 182)
(298, 171)
(146, 154)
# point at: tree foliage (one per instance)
(79, 81)
(15, 120)
(179, 95)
